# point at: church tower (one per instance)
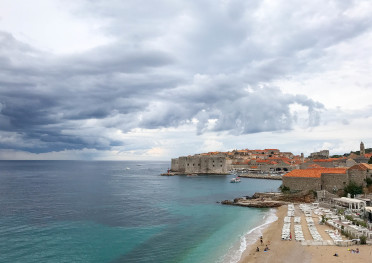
(362, 150)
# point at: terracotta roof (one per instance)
(254, 167)
(361, 167)
(368, 155)
(315, 172)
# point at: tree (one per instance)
(369, 181)
(370, 160)
(353, 189)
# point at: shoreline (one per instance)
(248, 238)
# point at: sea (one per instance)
(123, 211)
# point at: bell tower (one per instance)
(362, 150)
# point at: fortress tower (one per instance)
(362, 150)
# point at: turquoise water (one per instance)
(66, 211)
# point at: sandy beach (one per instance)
(293, 252)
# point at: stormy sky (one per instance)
(116, 80)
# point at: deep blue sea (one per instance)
(100, 211)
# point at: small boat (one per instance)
(235, 180)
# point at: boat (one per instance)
(235, 180)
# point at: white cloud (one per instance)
(52, 25)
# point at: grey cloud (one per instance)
(169, 64)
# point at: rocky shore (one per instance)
(254, 203)
(268, 200)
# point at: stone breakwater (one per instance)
(258, 176)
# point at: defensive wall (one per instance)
(299, 184)
(200, 164)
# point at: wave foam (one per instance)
(251, 237)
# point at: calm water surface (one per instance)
(75, 211)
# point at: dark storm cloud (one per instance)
(171, 63)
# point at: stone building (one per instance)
(324, 154)
(327, 163)
(330, 179)
(316, 179)
(362, 150)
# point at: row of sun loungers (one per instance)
(306, 209)
(336, 237)
(299, 235)
(290, 210)
(286, 230)
(313, 231)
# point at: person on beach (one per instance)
(257, 249)
(266, 248)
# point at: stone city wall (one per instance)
(333, 182)
(357, 176)
(302, 183)
(200, 164)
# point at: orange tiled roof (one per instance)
(361, 167)
(368, 155)
(315, 172)
(254, 167)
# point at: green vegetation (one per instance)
(346, 234)
(353, 189)
(370, 160)
(363, 240)
(324, 219)
(340, 211)
(362, 223)
(368, 150)
(369, 181)
(355, 221)
(284, 189)
(350, 218)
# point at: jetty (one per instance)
(261, 176)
